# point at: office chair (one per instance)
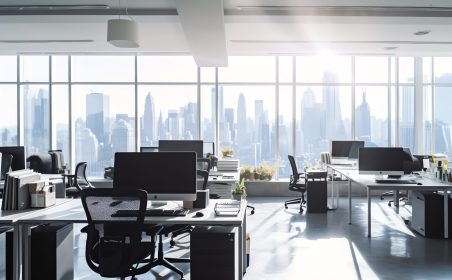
(296, 185)
(41, 163)
(114, 246)
(57, 158)
(77, 182)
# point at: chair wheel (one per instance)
(285, 206)
(381, 198)
(252, 211)
(172, 243)
(389, 204)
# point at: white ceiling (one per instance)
(251, 27)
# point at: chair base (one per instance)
(300, 201)
(252, 208)
(167, 262)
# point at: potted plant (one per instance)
(227, 152)
(239, 190)
(264, 172)
(245, 173)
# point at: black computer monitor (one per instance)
(19, 156)
(149, 149)
(164, 175)
(209, 148)
(382, 161)
(182, 146)
(345, 148)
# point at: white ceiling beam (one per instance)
(203, 25)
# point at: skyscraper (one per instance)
(189, 120)
(363, 123)
(258, 119)
(241, 120)
(97, 115)
(174, 127)
(122, 135)
(148, 133)
(333, 127)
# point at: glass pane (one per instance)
(60, 69)
(324, 69)
(406, 118)
(443, 69)
(285, 69)
(8, 68)
(167, 112)
(428, 120)
(207, 74)
(208, 113)
(392, 117)
(8, 118)
(167, 69)
(60, 117)
(36, 116)
(323, 114)
(371, 115)
(103, 68)
(249, 69)
(104, 124)
(393, 69)
(406, 70)
(427, 69)
(371, 69)
(34, 68)
(443, 120)
(285, 130)
(247, 117)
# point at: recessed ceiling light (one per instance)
(390, 48)
(422, 32)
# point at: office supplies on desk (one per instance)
(227, 208)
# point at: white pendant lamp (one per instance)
(122, 33)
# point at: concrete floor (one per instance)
(287, 245)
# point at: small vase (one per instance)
(237, 197)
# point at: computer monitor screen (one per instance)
(19, 156)
(382, 161)
(164, 175)
(209, 148)
(182, 146)
(149, 149)
(345, 149)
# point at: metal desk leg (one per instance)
(332, 188)
(241, 251)
(26, 257)
(349, 201)
(446, 213)
(369, 215)
(244, 258)
(17, 251)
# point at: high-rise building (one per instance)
(174, 127)
(241, 121)
(190, 120)
(122, 135)
(363, 122)
(148, 132)
(97, 115)
(333, 126)
(258, 119)
(229, 124)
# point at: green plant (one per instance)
(265, 171)
(245, 173)
(239, 188)
(227, 151)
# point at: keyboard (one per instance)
(395, 181)
(153, 213)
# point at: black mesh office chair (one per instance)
(296, 184)
(78, 181)
(114, 246)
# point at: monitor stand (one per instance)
(156, 203)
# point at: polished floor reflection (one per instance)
(287, 245)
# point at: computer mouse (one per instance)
(419, 184)
(199, 214)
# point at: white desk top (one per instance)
(72, 212)
(12, 216)
(424, 184)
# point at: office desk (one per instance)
(222, 184)
(368, 181)
(72, 212)
(12, 217)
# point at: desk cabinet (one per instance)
(428, 214)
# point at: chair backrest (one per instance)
(41, 163)
(293, 165)
(5, 164)
(57, 161)
(205, 177)
(204, 163)
(80, 179)
(112, 243)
